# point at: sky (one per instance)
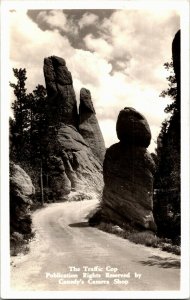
(117, 54)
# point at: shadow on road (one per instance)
(162, 262)
(81, 224)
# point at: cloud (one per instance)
(89, 67)
(88, 19)
(29, 45)
(57, 19)
(121, 67)
(141, 37)
(136, 45)
(98, 45)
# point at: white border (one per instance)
(185, 249)
(183, 7)
(5, 252)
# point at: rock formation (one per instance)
(132, 128)
(128, 174)
(59, 183)
(61, 95)
(21, 194)
(88, 125)
(76, 149)
(176, 55)
(81, 166)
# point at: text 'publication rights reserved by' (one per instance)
(94, 275)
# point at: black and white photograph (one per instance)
(95, 141)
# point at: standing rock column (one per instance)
(72, 163)
(88, 125)
(61, 95)
(128, 174)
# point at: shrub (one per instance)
(146, 238)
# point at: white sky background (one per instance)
(118, 55)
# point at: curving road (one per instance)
(65, 246)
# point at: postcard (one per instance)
(95, 149)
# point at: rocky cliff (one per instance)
(76, 144)
(21, 194)
(128, 174)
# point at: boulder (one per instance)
(21, 198)
(21, 184)
(88, 125)
(132, 128)
(128, 174)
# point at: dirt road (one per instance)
(67, 254)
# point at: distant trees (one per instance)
(167, 178)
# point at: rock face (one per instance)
(176, 55)
(61, 95)
(128, 174)
(77, 148)
(21, 194)
(132, 128)
(88, 125)
(81, 165)
(59, 183)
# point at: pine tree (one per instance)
(29, 129)
(21, 111)
(39, 135)
(167, 178)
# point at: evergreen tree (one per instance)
(39, 135)
(21, 111)
(39, 123)
(167, 177)
(29, 128)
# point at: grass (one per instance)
(146, 238)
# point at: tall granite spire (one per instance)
(73, 162)
(88, 125)
(61, 95)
